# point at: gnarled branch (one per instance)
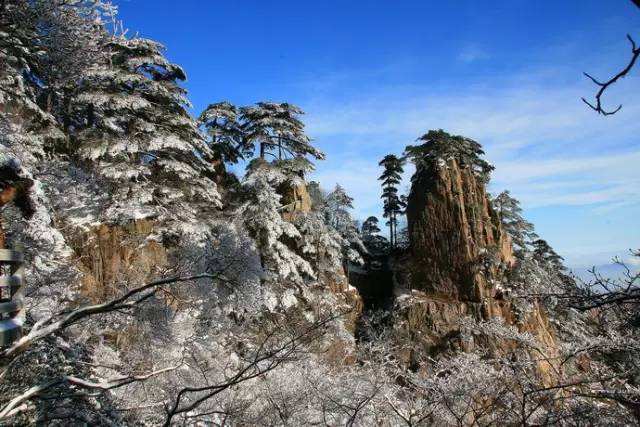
(597, 106)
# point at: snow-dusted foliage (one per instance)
(225, 133)
(320, 243)
(520, 230)
(336, 209)
(148, 304)
(52, 279)
(437, 147)
(277, 126)
(276, 238)
(132, 126)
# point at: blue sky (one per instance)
(374, 75)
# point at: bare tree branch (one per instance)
(597, 106)
(16, 406)
(65, 318)
(264, 360)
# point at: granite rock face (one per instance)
(458, 265)
(459, 249)
(113, 255)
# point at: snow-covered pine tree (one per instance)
(510, 214)
(338, 203)
(220, 122)
(33, 38)
(72, 34)
(273, 126)
(337, 206)
(132, 127)
(545, 255)
(370, 228)
(277, 127)
(25, 128)
(262, 217)
(321, 244)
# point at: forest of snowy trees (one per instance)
(163, 289)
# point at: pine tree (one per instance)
(370, 227)
(132, 127)
(72, 34)
(220, 122)
(44, 47)
(437, 146)
(276, 127)
(393, 203)
(510, 214)
(337, 206)
(262, 217)
(544, 254)
(376, 244)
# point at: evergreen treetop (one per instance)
(393, 169)
(370, 227)
(393, 204)
(544, 253)
(277, 126)
(438, 146)
(220, 122)
(510, 213)
(131, 124)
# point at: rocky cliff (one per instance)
(460, 258)
(459, 250)
(111, 256)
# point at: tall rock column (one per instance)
(460, 256)
(459, 249)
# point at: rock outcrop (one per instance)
(295, 199)
(460, 257)
(459, 249)
(114, 255)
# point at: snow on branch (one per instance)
(271, 352)
(16, 405)
(65, 318)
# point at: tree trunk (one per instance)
(390, 232)
(280, 148)
(66, 108)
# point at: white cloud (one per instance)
(549, 149)
(586, 180)
(472, 53)
(532, 134)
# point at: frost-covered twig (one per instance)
(264, 360)
(65, 318)
(16, 406)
